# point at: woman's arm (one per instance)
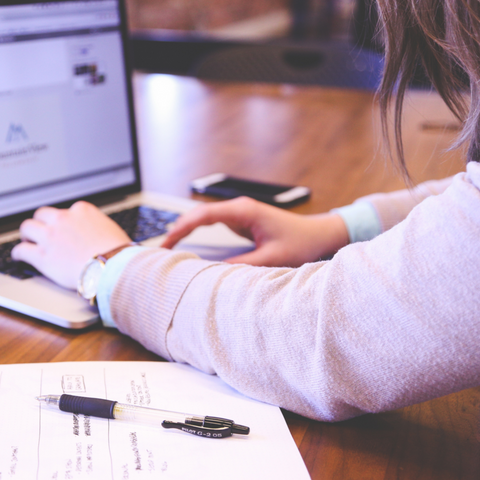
(386, 323)
(391, 208)
(283, 238)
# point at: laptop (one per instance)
(67, 132)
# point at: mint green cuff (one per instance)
(111, 273)
(361, 220)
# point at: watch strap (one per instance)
(106, 256)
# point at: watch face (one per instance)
(90, 278)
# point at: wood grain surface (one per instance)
(325, 139)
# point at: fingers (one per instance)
(33, 231)
(47, 215)
(231, 212)
(183, 227)
(29, 253)
(51, 215)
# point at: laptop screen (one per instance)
(65, 117)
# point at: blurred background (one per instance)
(322, 42)
(237, 19)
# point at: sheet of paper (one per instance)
(38, 442)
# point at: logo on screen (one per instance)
(18, 144)
(16, 133)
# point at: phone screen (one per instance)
(246, 187)
(220, 185)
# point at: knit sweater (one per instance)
(386, 323)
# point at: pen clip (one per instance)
(221, 432)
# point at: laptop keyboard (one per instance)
(140, 223)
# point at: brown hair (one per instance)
(444, 37)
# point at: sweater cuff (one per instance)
(111, 273)
(361, 220)
(147, 294)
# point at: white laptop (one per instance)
(67, 132)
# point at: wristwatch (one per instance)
(89, 279)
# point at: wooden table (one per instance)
(325, 139)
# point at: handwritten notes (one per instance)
(38, 442)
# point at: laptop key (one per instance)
(143, 222)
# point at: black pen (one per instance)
(209, 427)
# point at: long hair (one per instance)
(443, 36)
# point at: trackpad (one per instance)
(216, 242)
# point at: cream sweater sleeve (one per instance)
(394, 207)
(386, 323)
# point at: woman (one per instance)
(386, 323)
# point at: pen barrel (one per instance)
(151, 416)
(95, 407)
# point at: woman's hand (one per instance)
(282, 238)
(59, 243)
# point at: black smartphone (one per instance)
(224, 186)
